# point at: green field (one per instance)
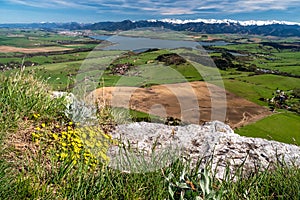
(249, 48)
(35, 38)
(285, 61)
(273, 81)
(260, 86)
(267, 57)
(283, 127)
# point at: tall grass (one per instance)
(22, 96)
(177, 181)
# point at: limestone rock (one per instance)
(156, 145)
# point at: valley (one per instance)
(250, 67)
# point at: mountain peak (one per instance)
(227, 21)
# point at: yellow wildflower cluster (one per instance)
(36, 116)
(88, 144)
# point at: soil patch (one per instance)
(185, 101)
(9, 49)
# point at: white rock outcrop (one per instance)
(155, 145)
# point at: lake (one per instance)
(141, 44)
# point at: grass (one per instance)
(259, 86)
(267, 57)
(61, 75)
(249, 48)
(284, 61)
(275, 127)
(47, 59)
(36, 173)
(273, 81)
(248, 91)
(21, 98)
(33, 38)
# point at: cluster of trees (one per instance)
(171, 59)
(227, 61)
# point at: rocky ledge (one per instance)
(149, 146)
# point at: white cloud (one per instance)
(52, 4)
(168, 7)
(176, 11)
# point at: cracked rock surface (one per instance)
(150, 146)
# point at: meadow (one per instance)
(275, 124)
(268, 57)
(28, 38)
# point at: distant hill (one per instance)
(271, 28)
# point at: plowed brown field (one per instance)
(191, 102)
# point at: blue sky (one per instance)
(26, 11)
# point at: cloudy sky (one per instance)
(12, 11)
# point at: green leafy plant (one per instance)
(188, 187)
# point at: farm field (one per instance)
(283, 59)
(280, 127)
(260, 86)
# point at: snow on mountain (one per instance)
(227, 21)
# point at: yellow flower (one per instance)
(43, 125)
(36, 135)
(55, 136)
(87, 155)
(38, 128)
(64, 144)
(70, 123)
(77, 140)
(75, 157)
(36, 116)
(83, 135)
(63, 155)
(107, 136)
(76, 149)
(93, 165)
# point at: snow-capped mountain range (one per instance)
(203, 26)
(226, 21)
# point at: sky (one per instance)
(90, 11)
